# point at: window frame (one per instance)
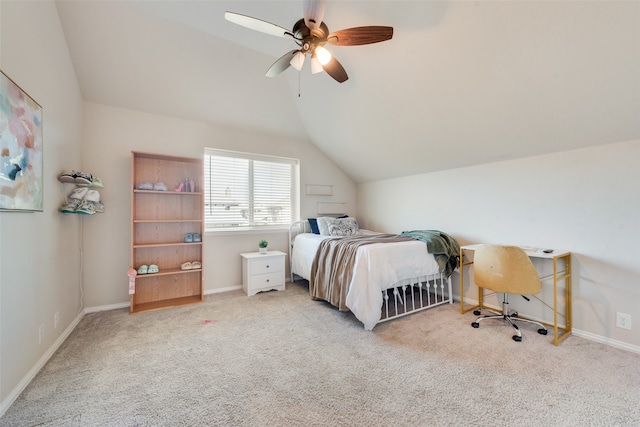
(251, 157)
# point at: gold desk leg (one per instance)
(462, 265)
(567, 296)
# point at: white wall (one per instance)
(586, 201)
(39, 252)
(110, 134)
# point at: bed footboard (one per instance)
(413, 295)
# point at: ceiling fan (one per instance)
(311, 34)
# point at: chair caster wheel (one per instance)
(476, 312)
(475, 325)
(517, 338)
(542, 331)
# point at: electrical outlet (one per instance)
(56, 320)
(623, 321)
(41, 334)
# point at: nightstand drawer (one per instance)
(267, 281)
(268, 265)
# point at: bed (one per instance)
(376, 276)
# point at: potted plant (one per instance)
(262, 245)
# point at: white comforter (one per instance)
(377, 267)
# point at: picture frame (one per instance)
(21, 149)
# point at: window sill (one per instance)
(255, 230)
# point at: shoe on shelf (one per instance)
(78, 193)
(70, 207)
(83, 178)
(145, 186)
(195, 265)
(188, 238)
(159, 186)
(86, 208)
(153, 269)
(95, 183)
(93, 197)
(179, 188)
(185, 266)
(143, 269)
(197, 237)
(68, 177)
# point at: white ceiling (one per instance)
(460, 83)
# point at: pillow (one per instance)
(323, 224)
(344, 227)
(313, 223)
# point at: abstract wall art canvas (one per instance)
(20, 149)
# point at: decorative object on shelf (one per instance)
(132, 273)
(262, 245)
(186, 186)
(21, 149)
(153, 269)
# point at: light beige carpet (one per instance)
(281, 359)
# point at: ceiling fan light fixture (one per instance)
(323, 55)
(316, 66)
(298, 60)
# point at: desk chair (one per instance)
(509, 270)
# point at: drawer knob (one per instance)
(267, 280)
(267, 266)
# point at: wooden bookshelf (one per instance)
(159, 222)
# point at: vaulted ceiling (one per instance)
(460, 83)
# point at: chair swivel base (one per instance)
(511, 318)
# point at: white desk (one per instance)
(561, 272)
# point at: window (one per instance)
(249, 191)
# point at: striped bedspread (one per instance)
(333, 266)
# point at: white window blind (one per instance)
(246, 191)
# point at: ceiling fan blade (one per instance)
(360, 35)
(281, 64)
(313, 13)
(335, 70)
(257, 24)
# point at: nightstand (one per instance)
(262, 272)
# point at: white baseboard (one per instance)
(604, 340)
(220, 290)
(13, 395)
(106, 307)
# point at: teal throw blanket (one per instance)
(443, 247)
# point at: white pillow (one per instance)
(323, 224)
(344, 227)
